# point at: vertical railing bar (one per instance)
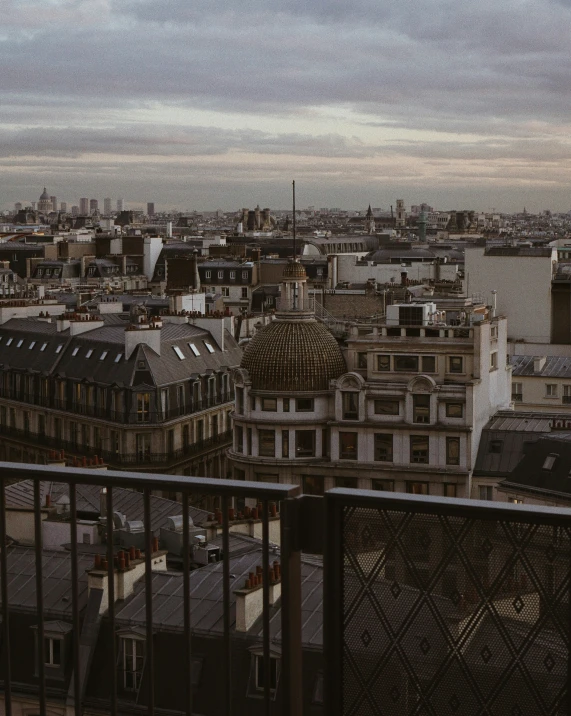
(186, 600)
(111, 598)
(226, 607)
(39, 594)
(333, 620)
(75, 599)
(150, 651)
(266, 603)
(5, 609)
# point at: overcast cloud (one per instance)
(213, 103)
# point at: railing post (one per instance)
(333, 608)
(290, 554)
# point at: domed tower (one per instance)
(283, 389)
(45, 203)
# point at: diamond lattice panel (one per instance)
(444, 615)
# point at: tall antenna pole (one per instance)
(293, 189)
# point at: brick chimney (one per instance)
(250, 599)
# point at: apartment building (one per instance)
(133, 390)
(541, 383)
(401, 407)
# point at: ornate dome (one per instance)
(290, 355)
(45, 196)
(294, 269)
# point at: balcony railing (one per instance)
(430, 606)
(118, 458)
(119, 416)
(517, 397)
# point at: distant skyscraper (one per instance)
(75, 210)
(18, 206)
(119, 205)
(63, 206)
(84, 206)
(53, 200)
(150, 208)
(93, 206)
(107, 207)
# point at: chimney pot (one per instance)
(97, 561)
(137, 554)
(48, 500)
(155, 544)
(122, 563)
(254, 513)
(231, 514)
(273, 509)
(104, 563)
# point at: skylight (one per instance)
(550, 461)
(32, 344)
(104, 355)
(209, 348)
(9, 341)
(44, 346)
(89, 353)
(194, 349)
(75, 351)
(118, 357)
(58, 349)
(179, 353)
(19, 343)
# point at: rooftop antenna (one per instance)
(293, 192)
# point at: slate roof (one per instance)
(555, 366)
(540, 475)
(56, 570)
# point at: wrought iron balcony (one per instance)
(429, 606)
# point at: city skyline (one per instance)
(459, 107)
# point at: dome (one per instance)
(293, 355)
(294, 269)
(45, 196)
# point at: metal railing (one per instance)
(111, 566)
(117, 457)
(442, 606)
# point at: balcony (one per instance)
(419, 605)
(141, 458)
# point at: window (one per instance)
(428, 364)
(118, 357)
(244, 275)
(485, 492)
(408, 364)
(208, 274)
(179, 353)
(386, 407)
(44, 346)
(455, 364)
(143, 407)
(495, 446)
(9, 341)
(32, 344)
(419, 446)
(267, 443)
(383, 485)
(449, 489)
(454, 410)
(312, 485)
(285, 443)
(550, 460)
(383, 363)
(325, 442)
(53, 651)
(89, 353)
(417, 488)
(349, 482)
(350, 406)
(209, 348)
(362, 361)
(384, 447)
(551, 390)
(452, 451)
(305, 443)
(240, 401)
(220, 275)
(58, 349)
(494, 332)
(421, 408)
(239, 438)
(132, 661)
(269, 404)
(494, 360)
(348, 446)
(244, 293)
(286, 405)
(259, 673)
(225, 291)
(232, 275)
(103, 355)
(194, 349)
(304, 405)
(515, 501)
(75, 351)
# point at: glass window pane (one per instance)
(384, 447)
(406, 363)
(267, 443)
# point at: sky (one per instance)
(212, 104)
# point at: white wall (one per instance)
(523, 284)
(347, 270)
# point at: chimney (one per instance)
(539, 363)
(150, 336)
(125, 577)
(249, 600)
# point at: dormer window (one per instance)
(257, 681)
(132, 658)
(55, 647)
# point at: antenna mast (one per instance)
(293, 191)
